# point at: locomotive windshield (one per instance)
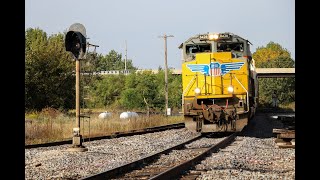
(197, 48)
(227, 47)
(215, 43)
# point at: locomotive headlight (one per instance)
(213, 36)
(197, 90)
(230, 89)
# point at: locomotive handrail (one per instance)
(187, 88)
(248, 107)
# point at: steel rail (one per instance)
(118, 171)
(177, 171)
(113, 135)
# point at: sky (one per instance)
(140, 23)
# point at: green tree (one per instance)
(274, 56)
(159, 100)
(136, 91)
(113, 61)
(130, 99)
(175, 90)
(271, 52)
(49, 77)
(106, 90)
(149, 86)
(140, 91)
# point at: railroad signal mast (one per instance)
(75, 42)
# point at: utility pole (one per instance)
(166, 69)
(125, 61)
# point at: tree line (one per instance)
(50, 78)
(273, 55)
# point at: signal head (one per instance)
(75, 40)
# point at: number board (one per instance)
(203, 36)
(221, 36)
(224, 36)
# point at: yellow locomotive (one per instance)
(220, 87)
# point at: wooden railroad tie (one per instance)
(285, 138)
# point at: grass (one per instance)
(52, 125)
(291, 106)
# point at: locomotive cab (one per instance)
(219, 82)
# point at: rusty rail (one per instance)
(113, 173)
(171, 173)
(178, 170)
(113, 135)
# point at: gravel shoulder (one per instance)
(252, 156)
(58, 163)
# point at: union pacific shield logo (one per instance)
(215, 68)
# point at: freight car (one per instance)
(220, 88)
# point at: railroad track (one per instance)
(158, 166)
(113, 135)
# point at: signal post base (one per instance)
(77, 145)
